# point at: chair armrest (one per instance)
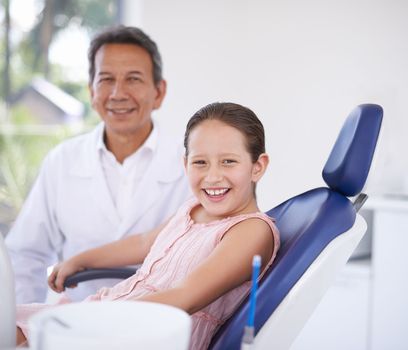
(93, 274)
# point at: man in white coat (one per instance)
(125, 177)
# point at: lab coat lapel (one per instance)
(89, 166)
(162, 170)
(102, 197)
(146, 194)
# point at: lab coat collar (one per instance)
(149, 144)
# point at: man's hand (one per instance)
(60, 272)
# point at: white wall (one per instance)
(300, 65)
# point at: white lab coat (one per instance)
(70, 209)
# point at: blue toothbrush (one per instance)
(249, 329)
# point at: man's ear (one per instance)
(91, 92)
(161, 88)
(259, 167)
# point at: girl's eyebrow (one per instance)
(221, 155)
(196, 155)
(231, 155)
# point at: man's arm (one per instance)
(128, 251)
(33, 241)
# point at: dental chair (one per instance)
(319, 231)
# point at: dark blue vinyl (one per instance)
(348, 165)
(311, 220)
(317, 217)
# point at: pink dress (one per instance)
(179, 248)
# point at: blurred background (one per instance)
(302, 66)
(44, 94)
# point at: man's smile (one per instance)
(121, 110)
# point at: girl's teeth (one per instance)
(216, 192)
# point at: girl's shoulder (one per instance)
(246, 222)
(263, 218)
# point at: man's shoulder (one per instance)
(169, 144)
(169, 156)
(74, 148)
(74, 143)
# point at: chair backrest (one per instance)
(310, 221)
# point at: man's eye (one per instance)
(105, 79)
(134, 79)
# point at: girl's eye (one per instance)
(228, 161)
(199, 162)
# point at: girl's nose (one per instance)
(214, 175)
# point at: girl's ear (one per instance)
(185, 163)
(259, 167)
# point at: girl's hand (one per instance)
(60, 272)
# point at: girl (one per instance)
(212, 238)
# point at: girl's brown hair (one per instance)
(237, 116)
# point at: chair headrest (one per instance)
(349, 162)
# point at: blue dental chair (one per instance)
(319, 231)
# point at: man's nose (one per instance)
(119, 91)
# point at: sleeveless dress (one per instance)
(178, 249)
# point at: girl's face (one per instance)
(220, 170)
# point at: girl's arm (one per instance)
(228, 266)
(21, 340)
(128, 251)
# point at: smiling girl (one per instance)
(200, 260)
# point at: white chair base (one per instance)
(286, 322)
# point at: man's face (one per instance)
(123, 91)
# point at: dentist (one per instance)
(122, 178)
